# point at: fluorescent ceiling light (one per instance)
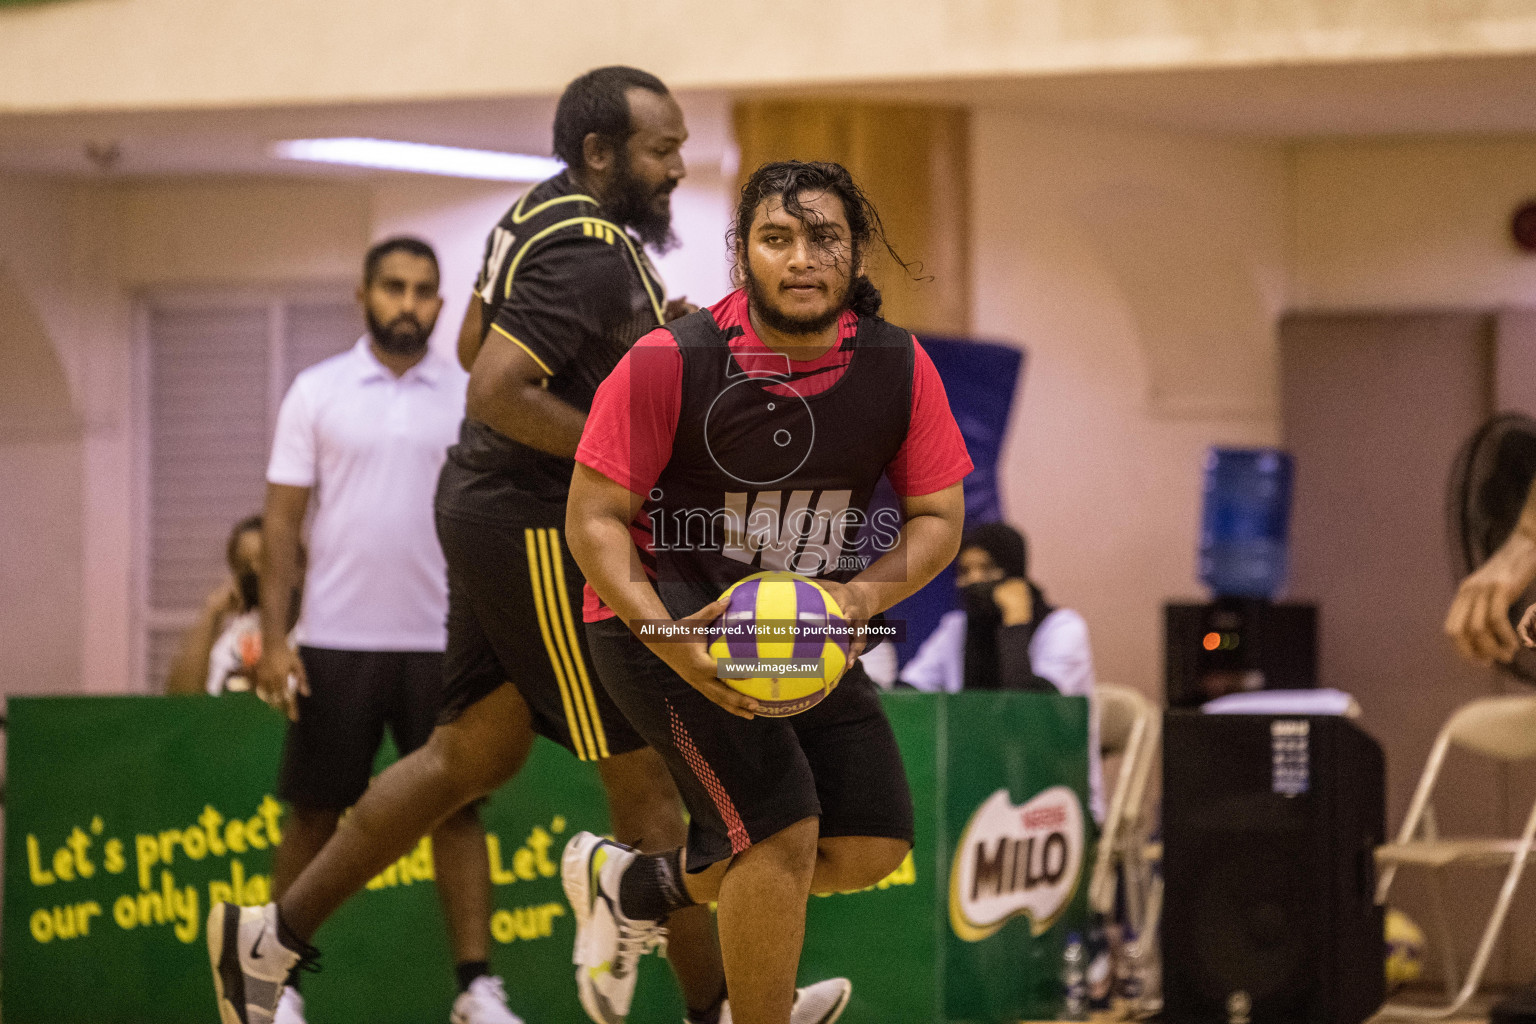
(420, 158)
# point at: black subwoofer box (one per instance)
(1269, 827)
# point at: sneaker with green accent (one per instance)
(821, 1003)
(609, 945)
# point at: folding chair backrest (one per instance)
(1497, 727)
(1120, 708)
(1128, 726)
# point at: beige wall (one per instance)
(236, 231)
(40, 566)
(221, 53)
(40, 451)
(1144, 273)
(1412, 223)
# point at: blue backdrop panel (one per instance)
(980, 379)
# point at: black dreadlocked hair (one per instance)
(787, 180)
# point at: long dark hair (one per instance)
(787, 180)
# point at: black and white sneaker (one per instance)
(609, 945)
(250, 963)
(290, 1008)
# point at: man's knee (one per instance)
(470, 764)
(653, 828)
(464, 820)
(857, 862)
(796, 846)
(885, 857)
(643, 802)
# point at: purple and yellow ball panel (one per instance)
(741, 612)
(782, 597)
(810, 611)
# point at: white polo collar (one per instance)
(369, 369)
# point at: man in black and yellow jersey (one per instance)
(565, 291)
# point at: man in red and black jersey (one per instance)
(750, 436)
(566, 290)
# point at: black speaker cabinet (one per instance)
(1269, 828)
(1235, 644)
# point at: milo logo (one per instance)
(1016, 860)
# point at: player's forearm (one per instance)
(927, 543)
(1516, 557)
(527, 414)
(602, 546)
(1518, 552)
(280, 580)
(1526, 525)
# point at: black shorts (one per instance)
(745, 780)
(328, 753)
(514, 614)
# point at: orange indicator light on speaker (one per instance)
(1211, 641)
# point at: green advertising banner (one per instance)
(1018, 848)
(126, 817)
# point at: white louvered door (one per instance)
(216, 368)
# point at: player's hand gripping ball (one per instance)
(773, 616)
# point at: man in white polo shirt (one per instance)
(364, 435)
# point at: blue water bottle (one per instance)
(1245, 522)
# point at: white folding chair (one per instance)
(1503, 728)
(1128, 726)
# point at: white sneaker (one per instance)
(484, 1002)
(821, 1003)
(608, 944)
(290, 1008)
(250, 964)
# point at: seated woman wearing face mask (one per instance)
(1005, 635)
(220, 651)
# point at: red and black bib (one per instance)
(762, 480)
